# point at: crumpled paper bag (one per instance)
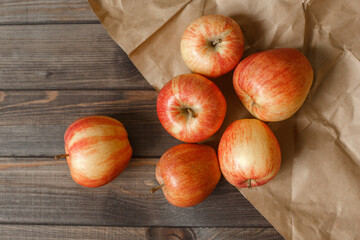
(316, 194)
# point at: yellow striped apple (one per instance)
(191, 107)
(97, 150)
(273, 84)
(187, 174)
(249, 153)
(212, 45)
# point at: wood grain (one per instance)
(131, 233)
(57, 64)
(75, 56)
(36, 11)
(41, 191)
(33, 123)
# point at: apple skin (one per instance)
(189, 172)
(212, 45)
(198, 94)
(273, 84)
(248, 149)
(98, 149)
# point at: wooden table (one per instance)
(57, 64)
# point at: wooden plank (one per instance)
(75, 56)
(33, 123)
(212, 233)
(35, 11)
(130, 233)
(87, 232)
(41, 191)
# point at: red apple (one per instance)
(273, 84)
(249, 153)
(191, 107)
(97, 150)
(212, 45)
(187, 174)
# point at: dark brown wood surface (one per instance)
(64, 56)
(41, 191)
(131, 233)
(57, 64)
(36, 120)
(45, 12)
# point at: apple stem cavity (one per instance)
(61, 156)
(153, 190)
(214, 43)
(249, 183)
(192, 113)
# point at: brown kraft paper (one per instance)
(316, 194)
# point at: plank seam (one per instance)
(129, 226)
(50, 23)
(52, 157)
(79, 89)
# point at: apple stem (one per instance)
(61, 156)
(192, 113)
(153, 190)
(216, 42)
(249, 183)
